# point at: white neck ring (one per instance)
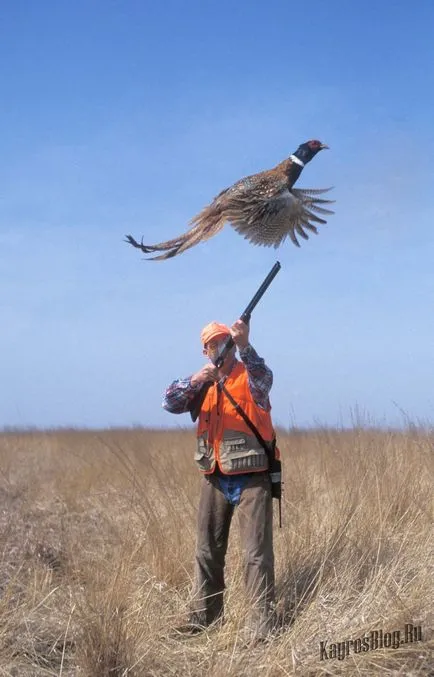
(296, 160)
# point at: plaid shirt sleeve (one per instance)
(260, 376)
(179, 395)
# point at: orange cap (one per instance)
(212, 330)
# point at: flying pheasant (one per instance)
(264, 208)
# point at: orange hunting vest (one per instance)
(222, 435)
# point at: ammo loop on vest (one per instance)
(247, 462)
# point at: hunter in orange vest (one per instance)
(235, 469)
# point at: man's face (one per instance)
(214, 347)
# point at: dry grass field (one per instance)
(97, 546)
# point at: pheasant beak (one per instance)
(323, 146)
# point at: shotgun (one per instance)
(229, 343)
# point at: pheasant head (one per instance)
(306, 151)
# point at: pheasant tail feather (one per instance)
(205, 225)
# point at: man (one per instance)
(234, 465)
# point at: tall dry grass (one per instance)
(97, 545)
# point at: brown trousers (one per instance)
(255, 514)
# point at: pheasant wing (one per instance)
(289, 213)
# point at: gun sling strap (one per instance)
(246, 420)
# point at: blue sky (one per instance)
(128, 117)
